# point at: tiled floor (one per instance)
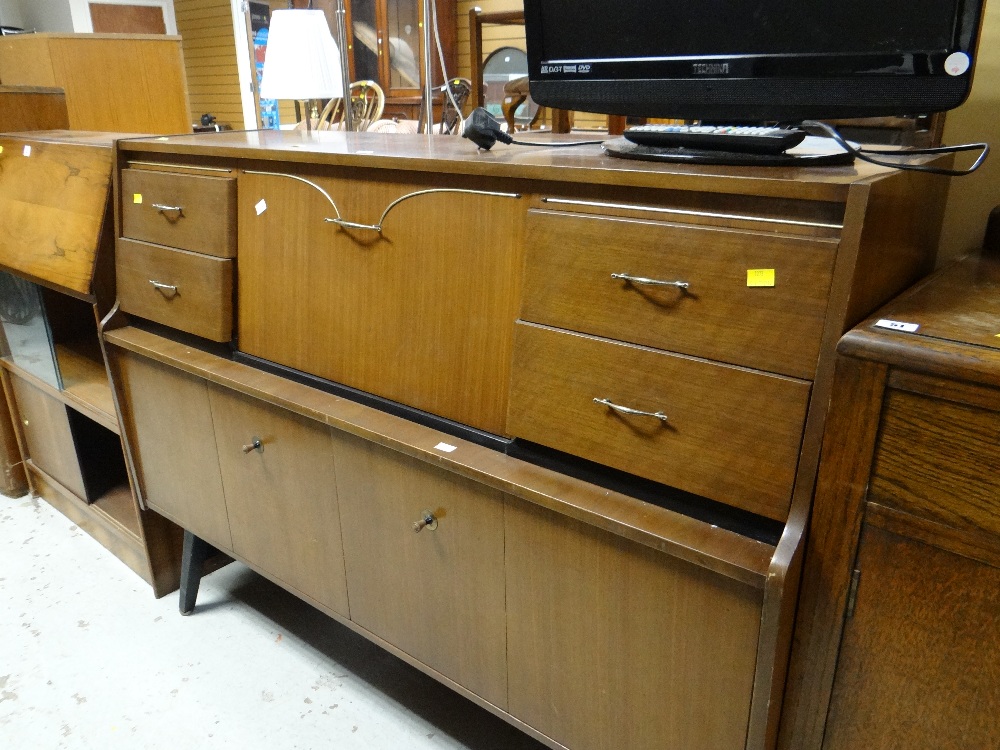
(89, 659)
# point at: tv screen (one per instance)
(752, 60)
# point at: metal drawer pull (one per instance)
(650, 282)
(163, 208)
(256, 445)
(167, 290)
(626, 410)
(427, 520)
(377, 227)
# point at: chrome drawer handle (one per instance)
(626, 410)
(164, 208)
(167, 290)
(255, 445)
(649, 282)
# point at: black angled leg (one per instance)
(194, 554)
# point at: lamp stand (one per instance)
(428, 83)
(345, 71)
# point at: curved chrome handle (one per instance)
(255, 445)
(427, 520)
(649, 282)
(167, 290)
(162, 208)
(626, 410)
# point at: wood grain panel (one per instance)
(205, 219)
(438, 594)
(150, 98)
(732, 435)
(939, 460)
(420, 314)
(611, 645)
(201, 301)
(920, 661)
(568, 284)
(168, 420)
(127, 19)
(47, 436)
(53, 198)
(282, 499)
(32, 108)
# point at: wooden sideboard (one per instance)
(56, 259)
(595, 389)
(896, 640)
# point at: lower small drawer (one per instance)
(187, 291)
(729, 433)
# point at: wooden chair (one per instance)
(367, 104)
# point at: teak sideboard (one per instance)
(594, 388)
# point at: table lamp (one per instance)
(302, 61)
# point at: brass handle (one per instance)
(649, 282)
(167, 290)
(626, 410)
(256, 445)
(427, 520)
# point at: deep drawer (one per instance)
(569, 284)
(190, 212)
(191, 292)
(731, 434)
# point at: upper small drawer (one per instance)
(574, 280)
(186, 211)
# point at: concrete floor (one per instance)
(89, 659)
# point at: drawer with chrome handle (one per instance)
(186, 211)
(681, 288)
(726, 433)
(183, 290)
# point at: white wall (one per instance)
(10, 13)
(46, 15)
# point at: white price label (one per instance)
(445, 447)
(261, 206)
(895, 325)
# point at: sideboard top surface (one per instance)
(583, 164)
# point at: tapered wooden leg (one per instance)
(193, 556)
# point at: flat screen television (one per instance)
(752, 60)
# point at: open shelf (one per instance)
(85, 381)
(117, 504)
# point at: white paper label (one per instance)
(445, 447)
(261, 206)
(27, 150)
(956, 63)
(895, 325)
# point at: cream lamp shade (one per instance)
(302, 60)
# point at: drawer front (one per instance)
(939, 460)
(190, 292)
(180, 210)
(569, 283)
(731, 434)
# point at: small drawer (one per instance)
(939, 460)
(190, 292)
(730, 434)
(573, 280)
(189, 212)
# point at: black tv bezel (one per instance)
(779, 87)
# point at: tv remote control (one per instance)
(740, 138)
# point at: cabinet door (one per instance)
(47, 435)
(614, 645)
(919, 663)
(170, 423)
(438, 594)
(282, 496)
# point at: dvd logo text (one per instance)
(710, 69)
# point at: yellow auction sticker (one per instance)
(760, 277)
(137, 198)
